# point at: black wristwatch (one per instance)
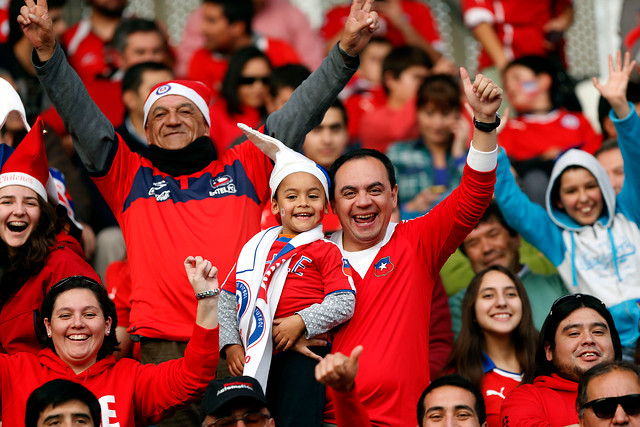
(487, 127)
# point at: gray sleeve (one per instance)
(310, 101)
(93, 135)
(228, 324)
(336, 308)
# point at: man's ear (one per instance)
(548, 352)
(129, 99)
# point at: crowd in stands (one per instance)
(272, 224)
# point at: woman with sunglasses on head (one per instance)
(497, 340)
(78, 324)
(36, 250)
(243, 96)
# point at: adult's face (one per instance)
(174, 122)
(450, 406)
(253, 88)
(364, 201)
(111, 8)
(582, 340)
(491, 244)
(19, 214)
(67, 414)
(77, 327)
(498, 306)
(215, 28)
(614, 383)
(143, 46)
(326, 142)
(150, 78)
(612, 162)
(247, 417)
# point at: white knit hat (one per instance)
(286, 160)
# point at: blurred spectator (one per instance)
(403, 71)
(227, 28)
(284, 80)
(610, 158)
(62, 402)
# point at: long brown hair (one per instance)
(29, 259)
(467, 354)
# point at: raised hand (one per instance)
(37, 27)
(484, 96)
(201, 274)
(360, 26)
(615, 90)
(339, 371)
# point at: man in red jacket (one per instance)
(578, 334)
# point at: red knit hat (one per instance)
(196, 92)
(27, 166)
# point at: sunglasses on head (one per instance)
(571, 297)
(606, 407)
(249, 80)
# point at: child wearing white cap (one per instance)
(288, 281)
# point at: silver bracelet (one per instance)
(207, 294)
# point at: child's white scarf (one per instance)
(259, 284)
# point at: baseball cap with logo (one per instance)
(221, 393)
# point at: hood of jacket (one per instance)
(556, 382)
(583, 159)
(52, 361)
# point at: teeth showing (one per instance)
(78, 337)
(589, 354)
(501, 316)
(586, 210)
(17, 226)
(364, 217)
(302, 215)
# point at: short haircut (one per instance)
(360, 154)
(492, 212)
(633, 96)
(55, 393)
(401, 58)
(454, 380)
(126, 27)
(560, 310)
(236, 11)
(133, 77)
(607, 145)
(343, 111)
(440, 90)
(598, 370)
(290, 75)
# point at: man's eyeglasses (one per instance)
(606, 407)
(250, 419)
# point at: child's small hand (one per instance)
(235, 359)
(287, 330)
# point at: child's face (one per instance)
(371, 59)
(301, 203)
(405, 87)
(580, 196)
(521, 86)
(436, 126)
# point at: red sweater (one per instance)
(129, 393)
(549, 402)
(18, 314)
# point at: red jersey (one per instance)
(229, 191)
(18, 331)
(384, 126)
(519, 25)
(496, 384)
(393, 301)
(86, 52)
(529, 136)
(549, 401)
(224, 129)
(417, 14)
(129, 393)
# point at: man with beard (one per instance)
(86, 43)
(578, 334)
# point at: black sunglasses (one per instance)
(249, 80)
(606, 407)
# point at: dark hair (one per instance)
(633, 96)
(598, 370)
(401, 58)
(55, 393)
(442, 91)
(29, 259)
(607, 145)
(15, 33)
(560, 310)
(133, 77)
(233, 75)
(360, 154)
(126, 27)
(492, 212)
(236, 11)
(343, 111)
(107, 306)
(290, 75)
(454, 380)
(468, 350)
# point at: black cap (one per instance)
(221, 392)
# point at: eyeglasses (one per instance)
(606, 407)
(249, 80)
(250, 419)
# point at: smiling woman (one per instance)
(35, 251)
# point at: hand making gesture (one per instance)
(37, 27)
(484, 96)
(360, 26)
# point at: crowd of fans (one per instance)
(420, 251)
